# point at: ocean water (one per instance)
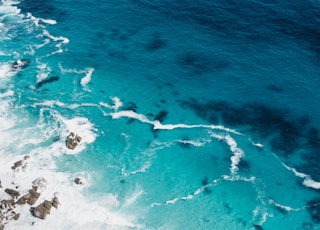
(193, 114)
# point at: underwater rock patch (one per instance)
(46, 81)
(313, 208)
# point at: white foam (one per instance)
(157, 125)
(42, 72)
(286, 208)
(142, 169)
(59, 39)
(307, 180)
(237, 153)
(81, 126)
(37, 20)
(75, 210)
(87, 78)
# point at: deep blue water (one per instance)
(194, 114)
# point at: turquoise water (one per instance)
(194, 115)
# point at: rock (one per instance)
(55, 202)
(34, 195)
(20, 64)
(26, 157)
(42, 210)
(24, 199)
(17, 164)
(1, 227)
(0, 184)
(29, 198)
(13, 193)
(16, 216)
(73, 140)
(78, 181)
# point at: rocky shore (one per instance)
(12, 197)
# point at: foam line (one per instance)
(115, 106)
(237, 153)
(36, 20)
(286, 208)
(87, 78)
(188, 197)
(157, 125)
(142, 169)
(307, 180)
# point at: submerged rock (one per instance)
(73, 140)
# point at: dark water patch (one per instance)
(161, 116)
(313, 207)
(258, 227)
(184, 143)
(43, 9)
(155, 43)
(287, 133)
(150, 115)
(204, 181)
(244, 165)
(200, 63)
(131, 120)
(117, 54)
(163, 101)
(56, 139)
(131, 106)
(275, 88)
(47, 81)
(227, 208)
(307, 226)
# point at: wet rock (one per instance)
(13, 193)
(34, 196)
(73, 140)
(55, 202)
(20, 64)
(78, 181)
(16, 216)
(17, 164)
(42, 210)
(29, 198)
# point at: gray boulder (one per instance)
(42, 210)
(13, 193)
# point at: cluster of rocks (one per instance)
(20, 164)
(73, 140)
(8, 206)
